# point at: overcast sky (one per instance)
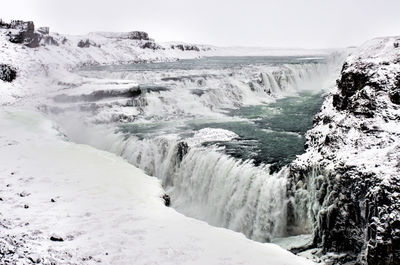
(268, 23)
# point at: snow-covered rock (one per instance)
(346, 187)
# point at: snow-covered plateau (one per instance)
(100, 133)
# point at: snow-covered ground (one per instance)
(104, 209)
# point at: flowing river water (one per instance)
(218, 132)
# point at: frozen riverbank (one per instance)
(102, 208)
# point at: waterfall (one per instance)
(192, 93)
(207, 184)
(223, 191)
(203, 181)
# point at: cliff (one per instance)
(346, 187)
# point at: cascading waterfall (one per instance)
(212, 186)
(234, 194)
(196, 92)
(203, 180)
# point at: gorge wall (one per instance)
(347, 184)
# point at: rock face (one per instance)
(87, 43)
(24, 33)
(138, 35)
(151, 45)
(346, 187)
(183, 47)
(7, 73)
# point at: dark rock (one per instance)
(7, 73)
(87, 43)
(167, 200)
(357, 90)
(34, 259)
(56, 238)
(64, 40)
(24, 33)
(52, 200)
(138, 35)
(185, 47)
(26, 206)
(4, 25)
(182, 150)
(99, 95)
(151, 45)
(24, 194)
(395, 96)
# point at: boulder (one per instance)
(7, 73)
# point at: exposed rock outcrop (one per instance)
(185, 47)
(87, 43)
(346, 187)
(151, 45)
(23, 32)
(7, 73)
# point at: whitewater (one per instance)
(219, 132)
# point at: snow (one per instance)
(211, 135)
(357, 147)
(104, 209)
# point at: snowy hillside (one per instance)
(42, 57)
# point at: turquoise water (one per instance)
(268, 134)
(273, 133)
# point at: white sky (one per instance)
(269, 23)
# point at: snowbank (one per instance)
(102, 208)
